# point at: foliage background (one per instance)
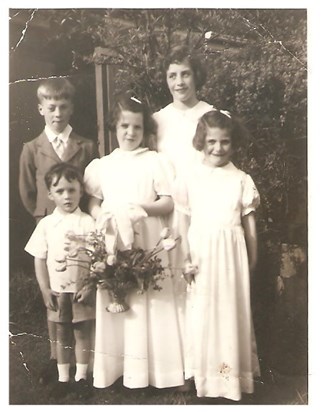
(256, 64)
(257, 68)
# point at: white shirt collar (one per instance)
(59, 215)
(64, 135)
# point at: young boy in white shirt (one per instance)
(67, 305)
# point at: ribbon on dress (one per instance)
(118, 225)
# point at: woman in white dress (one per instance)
(185, 75)
(143, 344)
(222, 252)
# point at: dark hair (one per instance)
(180, 53)
(216, 118)
(66, 170)
(127, 101)
(58, 88)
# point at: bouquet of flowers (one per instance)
(121, 272)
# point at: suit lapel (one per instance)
(73, 146)
(46, 147)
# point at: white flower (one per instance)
(169, 244)
(61, 258)
(61, 267)
(164, 234)
(111, 260)
(73, 253)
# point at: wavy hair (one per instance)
(66, 170)
(216, 118)
(180, 53)
(127, 101)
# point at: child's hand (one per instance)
(49, 298)
(189, 272)
(85, 296)
(136, 213)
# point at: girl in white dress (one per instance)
(221, 253)
(143, 344)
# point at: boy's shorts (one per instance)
(69, 311)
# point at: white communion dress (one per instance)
(143, 344)
(220, 352)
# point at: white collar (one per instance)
(64, 135)
(129, 153)
(58, 215)
(228, 167)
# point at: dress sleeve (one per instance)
(163, 176)
(37, 245)
(180, 195)
(92, 179)
(250, 197)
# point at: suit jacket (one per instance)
(37, 157)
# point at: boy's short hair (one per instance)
(66, 170)
(57, 88)
(180, 53)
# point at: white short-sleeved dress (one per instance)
(143, 344)
(220, 344)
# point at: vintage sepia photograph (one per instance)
(158, 206)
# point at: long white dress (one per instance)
(176, 129)
(143, 344)
(220, 344)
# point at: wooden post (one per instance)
(101, 120)
(104, 95)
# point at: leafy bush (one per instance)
(256, 63)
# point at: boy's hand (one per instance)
(49, 298)
(85, 296)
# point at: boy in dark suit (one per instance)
(57, 143)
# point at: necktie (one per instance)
(59, 146)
